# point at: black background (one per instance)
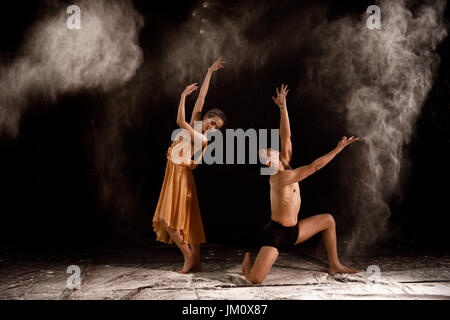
(49, 187)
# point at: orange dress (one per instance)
(178, 203)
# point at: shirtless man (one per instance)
(283, 231)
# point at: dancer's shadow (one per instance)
(228, 280)
(228, 273)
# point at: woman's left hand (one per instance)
(218, 64)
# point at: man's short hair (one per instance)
(263, 157)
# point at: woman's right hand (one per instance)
(189, 89)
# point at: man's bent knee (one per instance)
(330, 220)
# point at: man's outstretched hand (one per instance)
(280, 100)
(345, 142)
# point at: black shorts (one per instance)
(279, 236)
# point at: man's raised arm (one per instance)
(285, 127)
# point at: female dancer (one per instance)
(177, 217)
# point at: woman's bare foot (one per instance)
(247, 263)
(189, 263)
(339, 268)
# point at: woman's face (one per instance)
(213, 123)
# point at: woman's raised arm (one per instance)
(197, 112)
(181, 118)
(181, 115)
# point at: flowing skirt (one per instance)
(178, 206)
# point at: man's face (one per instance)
(270, 158)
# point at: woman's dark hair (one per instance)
(216, 113)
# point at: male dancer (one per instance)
(283, 231)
